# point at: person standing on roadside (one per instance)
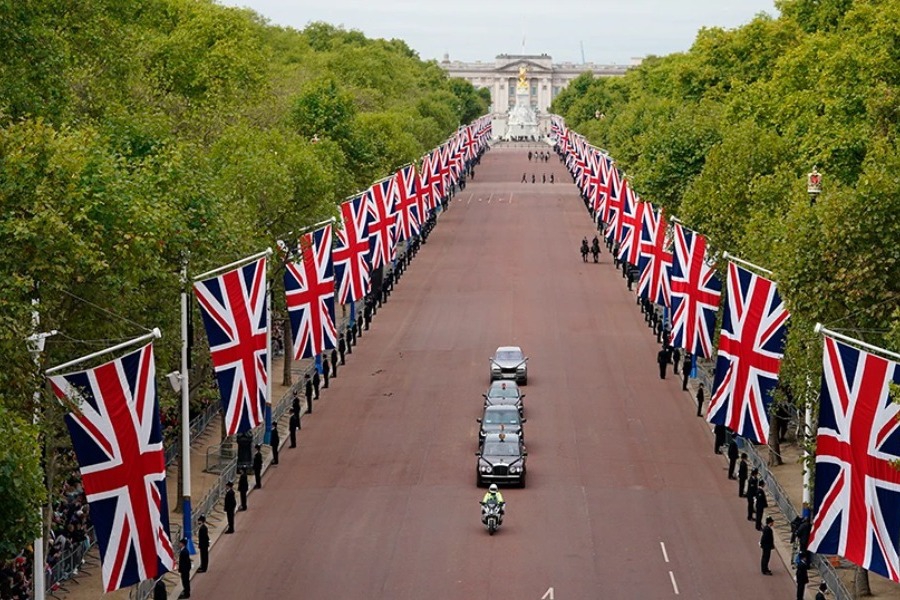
(325, 369)
(308, 388)
(203, 544)
(685, 370)
(767, 544)
(743, 468)
(257, 467)
(802, 574)
(662, 359)
(316, 381)
(184, 569)
(732, 456)
(275, 441)
(762, 503)
(342, 349)
(293, 426)
(230, 505)
(676, 360)
(243, 488)
(700, 396)
(752, 488)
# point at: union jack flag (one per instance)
(695, 293)
(615, 204)
(654, 262)
(309, 290)
(857, 491)
(351, 265)
(630, 223)
(435, 178)
(117, 438)
(406, 189)
(379, 204)
(233, 306)
(751, 346)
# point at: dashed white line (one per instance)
(490, 197)
(674, 585)
(665, 554)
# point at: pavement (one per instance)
(625, 497)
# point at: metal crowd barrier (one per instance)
(69, 564)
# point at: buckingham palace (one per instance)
(545, 78)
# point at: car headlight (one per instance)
(485, 468)
(515, 469)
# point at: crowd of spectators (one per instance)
(71, 535)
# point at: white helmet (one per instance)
(493, 488)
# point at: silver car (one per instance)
(505, 393)
(509, 362)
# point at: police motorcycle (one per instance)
(492, 511)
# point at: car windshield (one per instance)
(501, 449)
(503, 392)
(502, 417)
(509, 355)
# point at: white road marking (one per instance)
(548, 595)
(665, 554)
(674, 585)
(490, 197)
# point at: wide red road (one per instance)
(380, 500)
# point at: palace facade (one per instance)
(545, 78)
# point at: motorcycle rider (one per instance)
(494, 493)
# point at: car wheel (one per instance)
(522, 481)
(523, 381)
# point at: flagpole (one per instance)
(154, 334)
(187, 517)
(746, 263)
(819, 328)
(268, 418)
(237, 263)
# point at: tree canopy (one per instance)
(137, 134)
(723, 136)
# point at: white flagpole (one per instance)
(819, 328)
(155, 334)
(185, 418)
(237, 263)
(746, 263)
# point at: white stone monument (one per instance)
(522, 122)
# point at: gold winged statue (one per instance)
(523, 80)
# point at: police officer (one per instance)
(767, 543)
(334, 362)
(308, 388)
(762, 503)
(230, 505)
(662, 358)
(325, 369)
(700, 398)
(203, 544)
(293, 426)
(184, 569)
(685, 370)
(350, 339)
(316, 381)
(752, 488)
(257, 467)
(342, 348)
(367, 315)
(275, 441)
(243, 488)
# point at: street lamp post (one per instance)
(813, 185)
(813, 188)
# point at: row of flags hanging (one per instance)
(113, 416)
(857, 484)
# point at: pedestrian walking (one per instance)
(732, 456)
(767, 543)
(529, 156)
(802, 574)
(762, 503)
(275, 441)
(676, 360)
(662, 361)
(544, 178)
(523, 178)
(342, 349)
(308, 389)
(184, 569)
(325, 369)
(700, 397)
(532, 178)
(243, 489)
(743, 469)
(230, 505)
(257, 467)
(752, 487)
(823, 587)
(203, 544)
(685, 370)
(316, 381)
(294, 426)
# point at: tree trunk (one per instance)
(288, 354)
(861, 583)
(774, 449)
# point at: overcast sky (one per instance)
(612, 32)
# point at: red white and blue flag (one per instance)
(117, 437)
(351, 256)
(406, 190)
(630, 222)
(309, 290)
(615, 204)
(695, 290)
(655, 262)
(857, 488)
(380, 204)
(751, 345)
(233, 306)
